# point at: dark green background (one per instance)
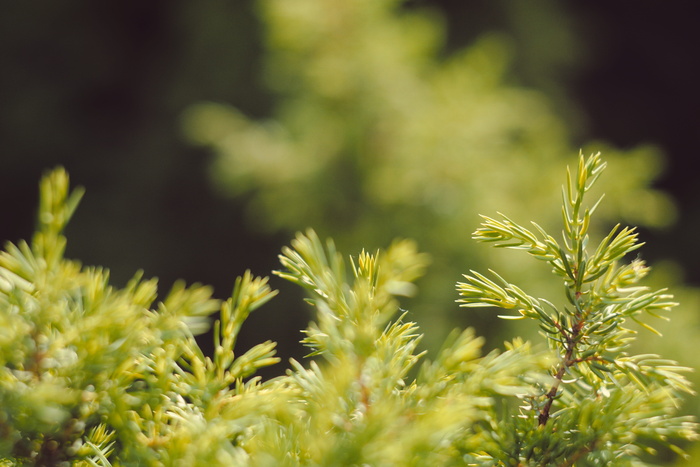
(100, 87)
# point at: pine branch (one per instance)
(589, 335)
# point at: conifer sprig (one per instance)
(94, 375)
(361, 405)
(589, 334)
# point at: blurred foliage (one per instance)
(376, 132)
(101, 91)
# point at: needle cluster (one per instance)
(94, 375)
(603, 404)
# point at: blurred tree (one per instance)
(376, 134)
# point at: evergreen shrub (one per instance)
(94, 375)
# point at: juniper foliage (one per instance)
(604, 405)
(93, 375)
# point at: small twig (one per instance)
(544, 413)
(579, 454)
(571, 341)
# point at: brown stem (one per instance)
(567, 361)
(579, 454)
(544, 413)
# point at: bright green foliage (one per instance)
(604, 405)
(362, 407)
(376, 130)
(92, 375)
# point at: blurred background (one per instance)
(207, 133)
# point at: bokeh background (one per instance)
(207, 133)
